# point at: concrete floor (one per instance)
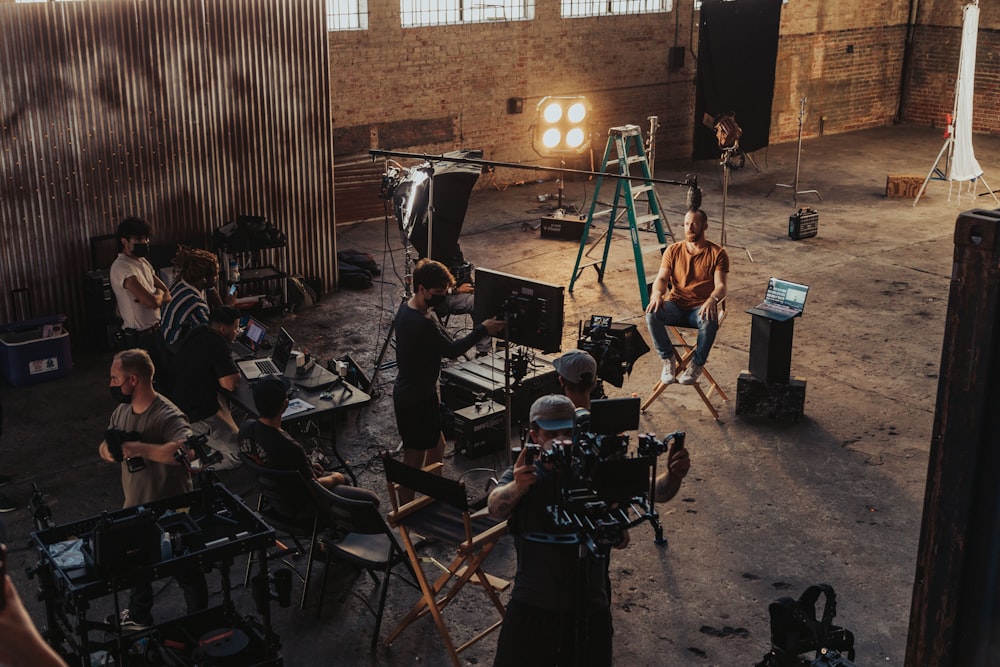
(770, 506)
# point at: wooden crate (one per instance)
(902, 186)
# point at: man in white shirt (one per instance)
(139, 292)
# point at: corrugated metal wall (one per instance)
(184, 113)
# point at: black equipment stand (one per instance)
(215, 528)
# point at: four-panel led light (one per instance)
(562, 126)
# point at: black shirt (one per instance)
(203, 358)
(420, 346)
(549, 574)
(276, 449)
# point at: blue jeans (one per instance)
(670, 315)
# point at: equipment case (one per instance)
(480, 429)
(803, 224)
(36, 350)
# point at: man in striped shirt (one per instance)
(193, 292)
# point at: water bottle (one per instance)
(234, 271)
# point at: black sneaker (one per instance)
(7, 504)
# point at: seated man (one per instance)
(204, 365)
(264, 440)
(461, 298)
(695, 272)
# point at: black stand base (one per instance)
(770, 399)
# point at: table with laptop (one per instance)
(768, 388)
(316, 394)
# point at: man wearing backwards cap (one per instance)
(546, 586)
(578, 376)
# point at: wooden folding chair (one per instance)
(442, 514)
(683, 354)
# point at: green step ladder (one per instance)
(628, 144)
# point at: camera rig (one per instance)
(204, 455)
(603, 488)
(615, 347)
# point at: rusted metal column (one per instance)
(955, 612)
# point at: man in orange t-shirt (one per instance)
(694, 271)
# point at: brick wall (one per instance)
(851, 80)
(439, 88)
(931, 93)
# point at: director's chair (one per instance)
(442, 513)
(683, 354)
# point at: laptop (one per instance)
(254, 369)
(253, 335)
(782, 301)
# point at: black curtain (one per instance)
(737, 52)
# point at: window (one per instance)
(580, 8)
(697, 3)
(346, 15)
(417, 13)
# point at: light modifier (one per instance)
(562, 126)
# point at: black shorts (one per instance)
(419, 422)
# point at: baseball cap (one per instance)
(574, 364)
(554, 412)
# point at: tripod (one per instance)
(408, 275)
(728, 155)
(794, 185)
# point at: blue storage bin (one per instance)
(35, 350)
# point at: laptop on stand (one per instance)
(250, 341)
(254, 369)
(782, 301)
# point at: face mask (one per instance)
(119, 395)
(435, 300)
(140, 249)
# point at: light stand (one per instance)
(728, 154)
(407, 277)
(794, 185)
(967, 168)
(407, 293)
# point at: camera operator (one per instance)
(547, 586)
(578, 376)
(144, 433)
(420, 345)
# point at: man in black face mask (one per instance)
(420, 346)
(139, 292)
(148, 426)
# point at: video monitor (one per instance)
(614, 415)
(534, 310)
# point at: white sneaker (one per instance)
(667, 374)
(690, 374)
